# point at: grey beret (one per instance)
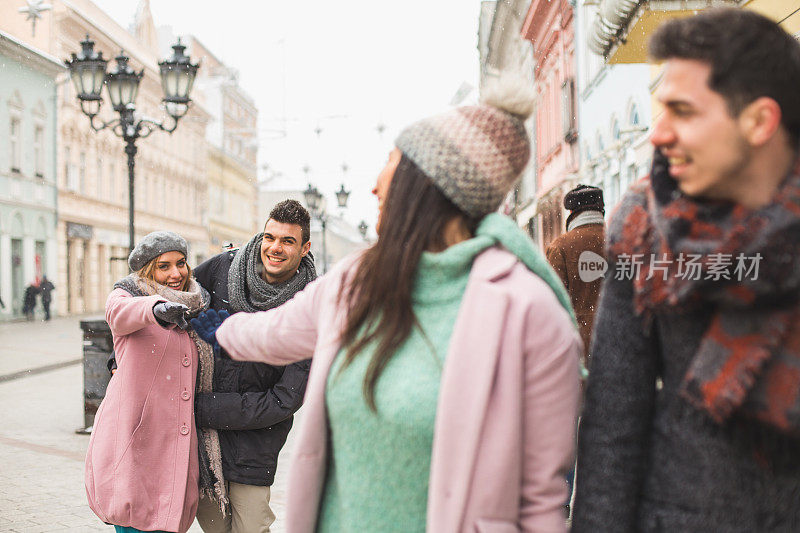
(153, 245)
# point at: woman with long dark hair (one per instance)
(444, 385)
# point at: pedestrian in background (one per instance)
(245, 410)
(585, 233)
(29, 300)
(46, 289)
(444, 387)
(142, 461)
(692, 417)
(584, 241)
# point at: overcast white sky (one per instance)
(344, 66)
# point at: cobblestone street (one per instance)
(40, 453)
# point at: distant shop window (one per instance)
(634, 116)
(15, 139)
(532, 229)
(631, 175)
(551, 220)
(568, 122)
(82, 173)
(100, 184)
(112, 182)
(38, 151)
(70, 178)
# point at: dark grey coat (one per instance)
(649, 462)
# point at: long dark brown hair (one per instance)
(378, 296)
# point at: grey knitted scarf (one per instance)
(247, 290)
(197, 299)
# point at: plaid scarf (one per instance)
(748, 361)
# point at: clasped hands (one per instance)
(205, 324)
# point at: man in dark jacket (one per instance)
(250, 405)
(46, 288)
(577, 255)
(692, 410)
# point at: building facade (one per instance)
(614, 115)
(91, 174)
(28, 122)
(507, 52)
(548, 26)
(232, 137)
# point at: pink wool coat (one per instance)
(141, 466)
(505, 422)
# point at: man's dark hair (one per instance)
(292, 212)
(750, 56)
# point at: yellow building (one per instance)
(786, 12)
(232, 194)
(232, 152)
(92, 179)
(622, 28)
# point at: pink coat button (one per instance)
(185, 395)
(186, 361)
(184, 430)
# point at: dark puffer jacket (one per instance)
(252, 403)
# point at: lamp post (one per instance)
(341, 196)
(362, 228)
(88, 72)
(315, 204)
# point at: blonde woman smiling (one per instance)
(142, 466)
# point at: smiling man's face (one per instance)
(282, 248)
(704, 144)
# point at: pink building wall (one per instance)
(549, 26)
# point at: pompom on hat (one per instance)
(475, 154)
(153, 245)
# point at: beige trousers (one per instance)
(250, 511)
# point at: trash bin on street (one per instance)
(98, 345)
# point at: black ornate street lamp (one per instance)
(88, 72)
(362, 228)
(342, 196)
(313, 199)
(314, 202)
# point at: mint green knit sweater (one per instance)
(378, 474)
(379, 467)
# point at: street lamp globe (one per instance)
(123, 83)
(312, 197)
(362, 228)
(177, 78)
(341, 196)
(87, 70)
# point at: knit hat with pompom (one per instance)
(475, 154)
